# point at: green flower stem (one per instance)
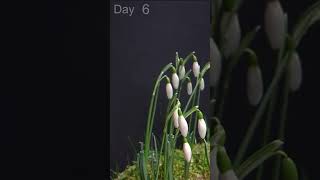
(195, 121)
(257, 117)
(283, 117)
(151, 112)
(206, 153)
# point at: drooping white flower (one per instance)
(183, 125)
(169, 90)
(215, 63)
(189, 88)
(175, 80)
(229, 175)
(176, 119)
(196, 68)
(295, 72)
(274, 24)
(201, 84)
(231, 33)
(202, 128)
(182, 71)
(254, 85)
(187, 151)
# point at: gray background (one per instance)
(140, 46)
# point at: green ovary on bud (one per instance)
(223, 160)
(187, 151)
(275, 24)
(215, 62)
(295, 72)
(231, 33)
(288, 169)
(175, 80)
(202, 85)
(254, 84)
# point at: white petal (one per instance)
(169, 90)
(182, 71)
(229, 175)
(176, 119)
(196, 69)
(254, 85)
(215, 63)
(231, 33)
(201, 84)
(274, 24)
(202, 128)
(295, 72)
(175, 80)
(183, 126)
(189, 88)
(187, 152)
(214, 170)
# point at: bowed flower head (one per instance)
(215, 62)
(254, 82)
(169, 90)
(175, 79)
(201, 84)
(274, 19)
(183, 125)
(182, 69)
(195, 66)
(202, 127)
(189, 87)
(187, 150)
(295, 72)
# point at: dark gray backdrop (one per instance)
(140, 46)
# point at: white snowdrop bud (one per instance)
(189, 88)
(275, 24)
(175, 80)
(176, 118)
(254, 85)
(182, 71)
(215, 62)
(201, 84)
(187, 151)
(183, 125)
(229, 175)
(295, 72)
(169, 90)
(202, 127)
(231, 33)
(195, 67)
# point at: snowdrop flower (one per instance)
(231, 33)
(215, 60)
(254, 82)
(175, 79)
(187, 150)
(183, 125)
(189, 87)
(202, 127)
(295, 72)
(274, 24)
(195, 67)
(176, 118)
(201, 84)
(169, 89)
(224, 165)
(288, 169)
(182, 70)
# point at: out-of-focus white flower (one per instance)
(189, 88)
(175, 80)
(229, 175)
(231, 33)
(176, 118)
(254, 85)
(187, 151)
(182, 71)
(202, 84)
(289, 169)
(295, 72)
(214, 170)
(169, 89)
(183, 125)
(274, 24)
(202, 128)
(215, 63)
